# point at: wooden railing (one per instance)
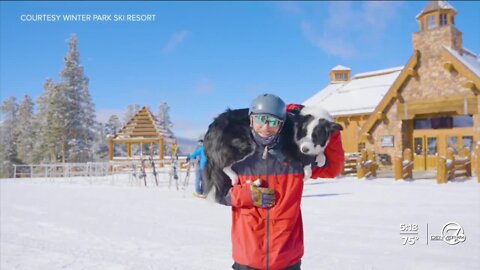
(404, 165)
(450, 167)
(350, 165)
(366, 164)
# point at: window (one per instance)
(422, 124)
(463, 121)
(443, 19)
(452, 142)
(431, 22)
(418, 146)
(444, 122)
(432, 146)
(468, 142)
(453, 20)
(340, 76)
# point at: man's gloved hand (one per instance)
(262, 197)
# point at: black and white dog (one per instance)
(228, 140)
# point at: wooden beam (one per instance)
(381, 116)
(412, 72)
(450, 104)
(448, 66)
(391, 93)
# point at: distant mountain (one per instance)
(186, 145)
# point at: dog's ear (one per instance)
(335, 127)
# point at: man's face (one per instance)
(265, 125)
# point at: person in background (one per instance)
(199, 152)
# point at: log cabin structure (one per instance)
(429, 104)
(142, 136)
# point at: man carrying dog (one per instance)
(267, 228)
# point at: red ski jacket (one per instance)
(273, 238)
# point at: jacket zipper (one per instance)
(268, 220)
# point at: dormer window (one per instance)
(443, 19)
(453, 20)
(431, 22)
(341, 76)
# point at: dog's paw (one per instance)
(307, 170)
(321, 160)
(231, 174)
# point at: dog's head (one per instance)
(313, 127)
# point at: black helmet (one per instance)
(268, 104)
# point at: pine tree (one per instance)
(57, 123)
(65, 122)
(42, 153)
(9, 136)
(25, 131)
(163, 116)
(131, 111)
(164, 126)
(80, 113)
(113, 125)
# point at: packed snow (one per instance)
(114, 223)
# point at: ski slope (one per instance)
(110, 223)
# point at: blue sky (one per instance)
(202, 57)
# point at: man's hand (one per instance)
(262, 197)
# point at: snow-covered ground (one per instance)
(105, 223)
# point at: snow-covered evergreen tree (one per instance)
(57, 122)
(8, 137)
(113, 125)
(163, 116)
(41, 152)
(131, 111)
(65, 122)
(100, 144)
(80, 113)
(25, 131)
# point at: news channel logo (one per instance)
(452, 234)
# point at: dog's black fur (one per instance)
(229, 139)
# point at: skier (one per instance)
(199, 152)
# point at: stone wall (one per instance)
(433, 82)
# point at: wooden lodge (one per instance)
(428, 105)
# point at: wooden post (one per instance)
(110, 148)
(398, 164)
(129, 150)
(360, 168)
(408, 155)
(451, 168)
(441, 170)
(161, 151)
(373, 163)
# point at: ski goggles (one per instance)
(263, 119)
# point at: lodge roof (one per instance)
(361, 95)
(436, 5)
